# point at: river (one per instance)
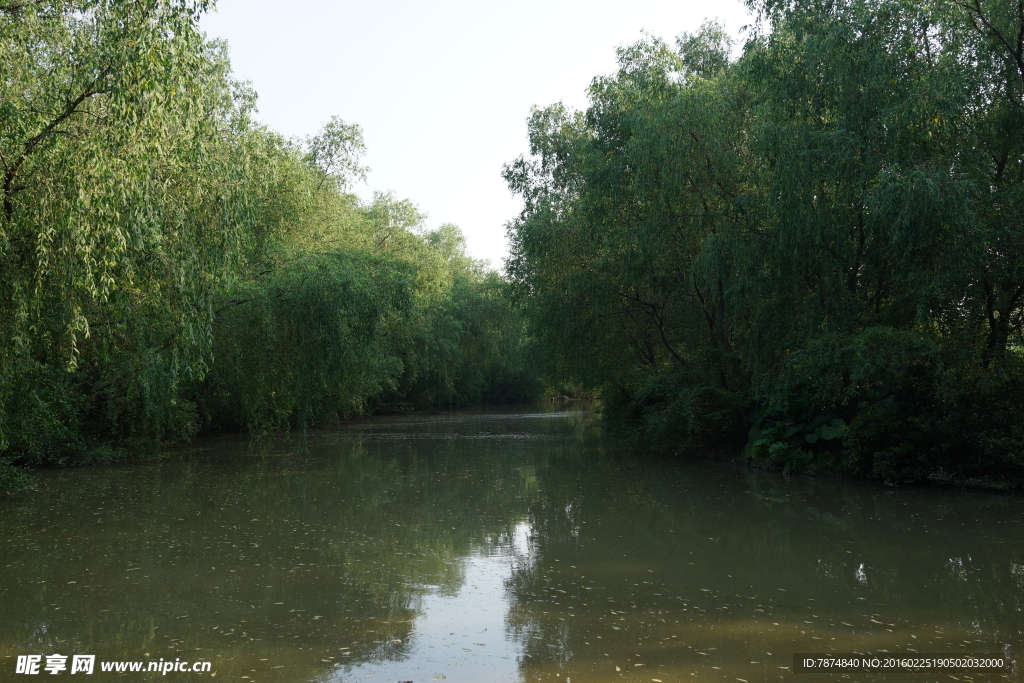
(516, 545)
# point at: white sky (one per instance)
(441, 89)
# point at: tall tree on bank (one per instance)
(122, 210)
(824, 231)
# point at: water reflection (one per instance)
(515, 546)
(460, 635)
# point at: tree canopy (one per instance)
(803, 246)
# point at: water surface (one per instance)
(515, 545)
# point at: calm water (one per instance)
(524, 545)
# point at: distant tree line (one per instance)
(166, 263)
(811, 249)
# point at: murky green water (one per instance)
(513, 546)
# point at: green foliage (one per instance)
(44, 414)
(971, 430)
(824, 229)
(166, 264)
(306, 343)
(668, 410)
(357, 308)
(467, 344)
(122, 214)
(335, 152)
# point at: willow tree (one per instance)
(622, 251)
(347, 307)
(823, 232)
(887, 131)
(123, 207)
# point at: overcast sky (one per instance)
(441, 89)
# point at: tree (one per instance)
(122, 211)
(335, 153)
(823, 227)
